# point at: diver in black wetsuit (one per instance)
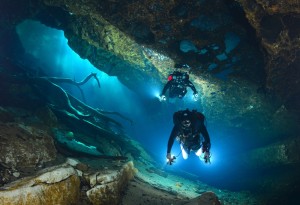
(188, 125)
(177, 85)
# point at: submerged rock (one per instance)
(62, 185)
(55, 185)
(106, 188)
(207, 198)
(25, 146)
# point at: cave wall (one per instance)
(164, 25)
(103, 34)
(277, 26)
(88, 34)
(120, 38)
(88, 26)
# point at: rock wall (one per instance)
(277, 26)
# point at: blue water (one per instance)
(54, 58)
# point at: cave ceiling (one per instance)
(239, 52)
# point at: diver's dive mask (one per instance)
(186, 123)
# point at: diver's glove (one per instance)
(196, 96)
(170, 159)
(169, 156)
(207, 156)
(205, 150)
(162, 98)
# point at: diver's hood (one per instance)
(186, 115)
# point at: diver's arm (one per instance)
(167, 86)
(172, 139)
(191, 85)
(206, 144)
(205, 134)
(200, 128)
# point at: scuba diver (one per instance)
(188, 125)
(177, 85)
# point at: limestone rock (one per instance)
(276, 24)
(108, 186)
(274, 155)
(55, 185)
(25, 146)
(207, 198)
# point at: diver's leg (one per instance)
(185, 155)
(198, 152)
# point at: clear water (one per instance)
(54, 58)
